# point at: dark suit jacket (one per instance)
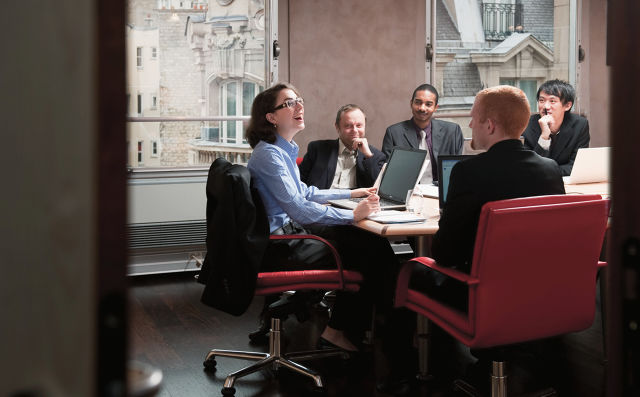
(505, 171)
(574, 134)
(318, 166)
(446, 137)
(237, 237)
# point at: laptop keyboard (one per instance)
(383, 202)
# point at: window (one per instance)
(154, 148)
(195, 76)
(530, 87)
(236, 98)
(140, 154)
(517, 42)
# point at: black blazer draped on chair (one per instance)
(237, 236)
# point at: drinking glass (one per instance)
(412, 202)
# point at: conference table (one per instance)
(423, 231)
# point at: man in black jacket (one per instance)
(345, 163)
(555, 132)
(506, 170)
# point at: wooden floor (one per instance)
(171, 330)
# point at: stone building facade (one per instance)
(210, 61)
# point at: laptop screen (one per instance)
(445, 165)
(401, 174)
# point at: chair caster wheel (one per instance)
(210, 364)
(228, 391)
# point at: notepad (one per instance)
(394, 216)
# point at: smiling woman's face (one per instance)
(288, 120)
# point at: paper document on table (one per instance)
(427, 189)
(393, 216)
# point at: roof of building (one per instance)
(446, 29)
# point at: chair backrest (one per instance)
(536, 259)
(237, 236)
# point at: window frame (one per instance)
(270, 75)
(140, 156)
(140, 57)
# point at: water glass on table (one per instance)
(412, 202)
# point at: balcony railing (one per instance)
(499, 20)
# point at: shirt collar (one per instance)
(418, 129)
(291, 148)
(342, 147)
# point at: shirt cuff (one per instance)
(544, 143)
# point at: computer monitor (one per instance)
(445, 165)
(401, 174)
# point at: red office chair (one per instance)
(235, 218)
(522, 287)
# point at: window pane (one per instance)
(517, 42)
(199, 47)
(530, 87)
(248, 93)
(231, 111)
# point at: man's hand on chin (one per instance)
(362, 145)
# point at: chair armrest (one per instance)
(314, 237)
(460, 276)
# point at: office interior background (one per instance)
(115, 109)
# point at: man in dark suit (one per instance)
(555, 132)
(347, 162)
(424, 132)
(506, 170)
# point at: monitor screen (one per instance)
(401, 174)
(445, 165)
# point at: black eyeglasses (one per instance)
(289, 103)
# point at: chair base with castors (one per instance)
(274, 359)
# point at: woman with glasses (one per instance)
(292, 207)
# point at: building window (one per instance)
(154, 148)
(192, 143)
(515, 42)
(530, 87)
(140, 154)
(236, 99)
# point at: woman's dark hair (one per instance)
(260, 129)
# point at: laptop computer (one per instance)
(445, 165)
(400, 175)
(591, 165)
